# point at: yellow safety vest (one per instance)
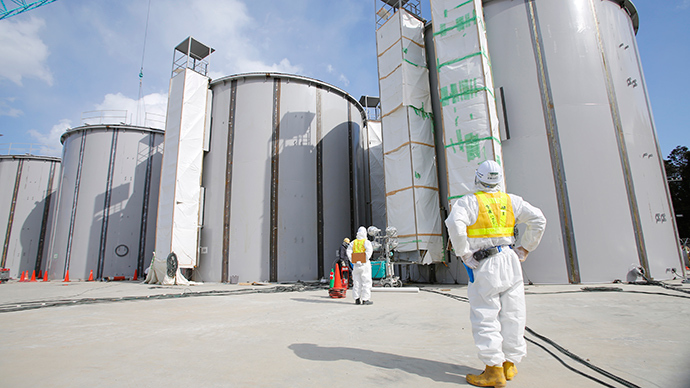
(495, 218)
(358, 246)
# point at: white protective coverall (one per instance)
(361, 273)
(497, 296)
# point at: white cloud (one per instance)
(7, 110)
(341, 77)
(23, 52)
(245, 65)
(344, 80)
(227, 27)
(685, 4)
(115, 108)
(49, 144)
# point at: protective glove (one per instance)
(522, 253)
(470, 261)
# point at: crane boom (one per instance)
(19, 6)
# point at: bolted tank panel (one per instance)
(582, 145)
(26, 208)
(277, 178)
(108, 194)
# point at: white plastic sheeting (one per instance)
(412, 201)
(376, 175)
(180, 191)
(468, 105)
(158, 274)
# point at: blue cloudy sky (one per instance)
(71, 57)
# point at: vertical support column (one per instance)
(44, 220)
(351, 151)
(225, 270)
(145, 207)
(275, 153)
(10, 219)
(319, 188)
(106, 206)
(75, 200)
(557, 166)
(622, 150)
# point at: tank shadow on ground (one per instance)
(435, 370)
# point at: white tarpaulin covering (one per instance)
(177, 227)
(157, 273)
(376, 174)
(412, 202)
(468, 105)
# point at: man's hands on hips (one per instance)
(470, 261)
(522, 253)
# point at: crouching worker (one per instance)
(359, 252)
(481, 229)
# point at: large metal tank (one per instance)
(106, 211)
(582, 143)
(27, 204)
(279, 178)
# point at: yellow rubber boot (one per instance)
(491, 377)
(509, 370)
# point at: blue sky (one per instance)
(75, 56)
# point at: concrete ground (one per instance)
(130, 334)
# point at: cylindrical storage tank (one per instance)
(27, 204)
(582, 143)
(106, 212)
(279, 179)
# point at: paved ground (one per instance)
(129, 334)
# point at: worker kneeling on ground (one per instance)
(481, 229)
(359, 252)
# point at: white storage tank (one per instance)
(27, 204)
(108, 195)
(279, 178)
(581, 139)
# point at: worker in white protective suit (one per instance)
(481, 229)
(361, 274)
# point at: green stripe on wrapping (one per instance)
(440, 65)
(455, 197)
(410, 242)
(470, 146)
(414, 64)
(477, 140)
(465, 3)
(421, 112)
(460, 23)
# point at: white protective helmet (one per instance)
(489, 174)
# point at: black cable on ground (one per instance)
(559, 348)
(581, 360)
(566, 365)
(600, 289)
(32, 305)
(652, 282)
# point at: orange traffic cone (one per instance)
(66, 277)
(45, 276)
(135, 275)
(337, 291)
(90, 276)
(22, 278)
(33, 276)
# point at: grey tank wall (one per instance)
(27, 203)
(582, 141)
(106, 211)
(279, 178)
